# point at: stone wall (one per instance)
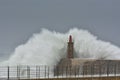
(87, 67)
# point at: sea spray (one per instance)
(47, 48)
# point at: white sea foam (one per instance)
(47, 48)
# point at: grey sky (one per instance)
(19, 19)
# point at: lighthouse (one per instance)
(70, 48)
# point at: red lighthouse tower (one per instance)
(70, 48)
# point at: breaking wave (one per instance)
(47, 48)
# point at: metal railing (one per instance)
(44, 71)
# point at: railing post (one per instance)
(62, 70)
(48, 71)
(83, 70)
(18, 72)
(115, 70)
(58, 71)
(66, 71)
(79, 70)
(108, 68)
(45, 71)
(39, 71)
(8, 72)
(36, 71)
(28, 72)
(54, 70)
(75, 70)
(91, 71)
(100, 69)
